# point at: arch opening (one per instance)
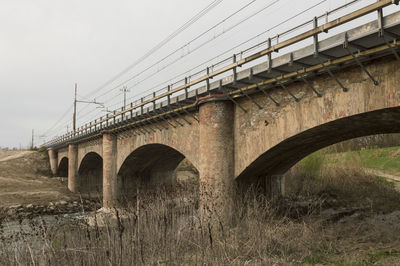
(155, 167)
(280, 158)
(63, 168)
(91, 174)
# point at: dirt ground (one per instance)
(25, 179)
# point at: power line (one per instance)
(258, 35)
(186, 45)
(154, 49)
(193, 50)
(161, 44)
(194, 39)
(233, 48)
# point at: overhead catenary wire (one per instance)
(255, 37)
(196, 48)
(237, 46)
(162, 43)
(187, 24)
(194, 39)
(231, 49)
(185, 45)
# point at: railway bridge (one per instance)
(248, 120)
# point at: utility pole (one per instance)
(125, 90)
(32, 145)
(80, 101)
(74, 118)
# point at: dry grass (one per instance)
(260, 234)
(158, 234)
(158, 230)
(345, 186)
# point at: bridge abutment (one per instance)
(111, 193)
(73, 177)
(53, 161)
(216, 159)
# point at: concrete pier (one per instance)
(111, 192)
(216, 159)
(73, 177)
(53, 161)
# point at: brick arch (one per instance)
(90, 147)
(62, 168)
(184, 139)
(60, 158)
(269, 141)
(90, 171)
(151, 157)
(62, 153)
(281, 157)
(152, 166)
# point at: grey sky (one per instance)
(48, 45)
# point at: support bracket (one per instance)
(346, 46)
(230, 97)
(173, 118)
(309, 84)
(263, 91)
(286, 89)
(180, 116)
(188, 113)
(166, 120)
(333, 76)
(251, 99)
(152, 118)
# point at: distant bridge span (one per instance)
(253, 124)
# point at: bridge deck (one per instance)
(237, 84)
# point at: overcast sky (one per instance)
(48, 45)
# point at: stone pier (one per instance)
(53, 161)
(111, 192)
(216, 159)
(73, 177)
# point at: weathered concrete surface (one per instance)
(110, 183)
(61, 154)
(53, 161)
(271, 140)
(88, 147)
(73, 177)
(216, 159)
(149, 166)
(151, 159)
(184, 139)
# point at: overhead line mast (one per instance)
(80, 101)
